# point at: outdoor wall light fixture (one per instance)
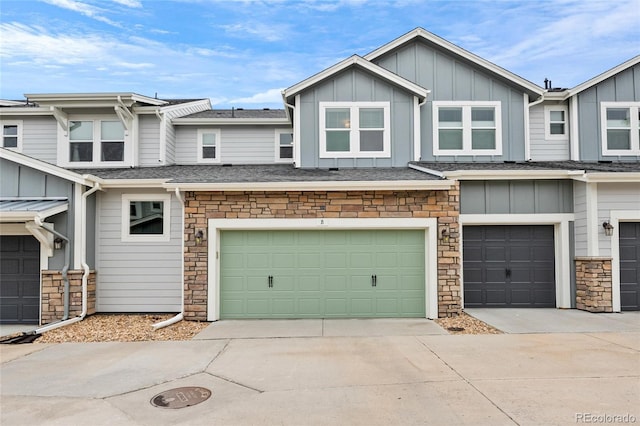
(199, 236)
(444, 235)
(57, 243)
(608, 228)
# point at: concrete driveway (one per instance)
(360, 372)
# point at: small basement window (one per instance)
(145, 217)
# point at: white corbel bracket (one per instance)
(45, 238)
(123, 113)
(61, 118)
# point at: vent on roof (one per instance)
(266, 109)
(227, 165)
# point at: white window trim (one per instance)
(466, 128)
(18, 123)
(354, 134)
(218, 133)
(277, 158)
(64, 144)
(166, 218)
(547, 122)
(634, 125)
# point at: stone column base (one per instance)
(52, 305)
(593, 284)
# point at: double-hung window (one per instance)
(284, 146)
(208, 145)
(349, 129)
(12, 135)
(620, 128)
(555, 122)
(92, 142)
(145, 217)
(469, 128)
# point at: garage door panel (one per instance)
(19, 279)
(509, 265)
(324, 273)
(629, 244)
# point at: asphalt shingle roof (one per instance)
(259, 173)
(239, 113)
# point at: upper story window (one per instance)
(620, 128)
(93, 142)
(208, 145)
(467, 128)
(12, 135)
(555, 122)
(145, 217)
(284, 146)
(349, 129)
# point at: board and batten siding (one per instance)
(623, 87)
(614, 197)
(451, 79)
(541, 148)
(136, 276)
(354, 85)
(40, 138)
(516, 197)
(238, 144)
(149, 141)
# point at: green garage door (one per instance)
(322, 274)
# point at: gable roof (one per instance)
(601, 77)
(93, 99)
(44, 167)
(422, 34)
(360, 62)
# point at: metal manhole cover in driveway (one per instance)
(181, 397)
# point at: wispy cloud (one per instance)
(129, 3)
(264, 31)
(270, 96)
(85, 9)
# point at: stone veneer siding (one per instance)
(593, 284)
(52, 306)
(202, 206)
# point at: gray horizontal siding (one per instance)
(239, 144)
(149, 140)
(135, 276)
(541, 148)
(516, 197)
(40, 138)
(615, 196)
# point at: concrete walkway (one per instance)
(388, 375)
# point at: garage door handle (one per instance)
(374, 280)
(270, 281)
(507, 273)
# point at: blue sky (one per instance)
(243, 53)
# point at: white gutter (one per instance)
(314, 185)
(180, 316)
(427, 170)
(83, 263)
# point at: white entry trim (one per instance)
(617, 216)
(430, 226)
(563, 262)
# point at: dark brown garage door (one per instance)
(19, 279)
(629, 266)
(509, 266)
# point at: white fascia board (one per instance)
(361, 62)
(230, 121)
(203, 102)
(512, 174)
(313, 186)
(618, 177)
(600, 78)
(426, 170)
(25, 111)
(68, 100)
(44, 167)
(132, 183)
(420, 32)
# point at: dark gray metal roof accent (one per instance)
(239, 113)
(587, 166)
(259, 173)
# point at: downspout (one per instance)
(527, 126)
(85, 276)
(179, 317)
